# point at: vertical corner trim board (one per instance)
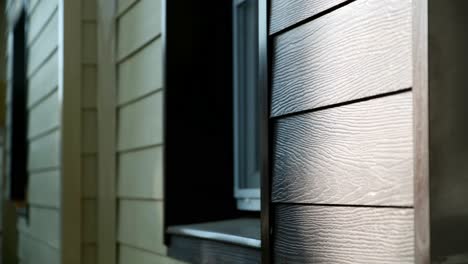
(359, 50)
(333, 234)
(357, 154)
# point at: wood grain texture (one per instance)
(195, 250)
(322, 234)
(360, 153)
(359, 50)
(285, 13)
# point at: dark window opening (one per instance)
(18, 114)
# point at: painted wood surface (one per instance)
(137, 76)
(360, 153)
(360, 50)
(285, 13)
(140, 225)
(141, 123)
(141, 174)
(321, 234)
(44, 81)
(44, 46)
(138, 26)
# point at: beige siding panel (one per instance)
(33, 251)
(89, 254)
(41, 15)
(32, 5)
(44, 81)
(88, 10)
(129, 255)
(89, 82)
(89, 221)
(89, 170)
(44, 225)
(89, 45)
(44, 152)
(43, 46)
(138, 26)
(140, 174)
(123, 5)
(141, 124)
(140, 224)
(44, 116)
(89, 131)
(141, 74)
(44, 188)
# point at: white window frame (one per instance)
(247, 198)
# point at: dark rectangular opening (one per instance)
(18, 114)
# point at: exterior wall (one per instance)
(139, 147)
(39, 235)
(89, 134)
(341, 109)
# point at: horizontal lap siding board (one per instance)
(325, 234)
(141, 174)
(44, 46)
(359, 50)
(285, 13)
(140, 225)
(44, 116)
(141, 123)
(354, 154)
(137, 27)
(44, 189)
(44, 82)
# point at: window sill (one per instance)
(242, 232)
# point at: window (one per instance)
(246, 105)
(18, 114)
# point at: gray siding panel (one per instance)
(359, 50)
(285, 13)
(319, 234)
(354, 154)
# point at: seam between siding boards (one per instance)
(45, 169)
(359, 100)
(128, 8)
(345, 205)
(119, 242)
(38, 240)
(46, 59)
(311, 18)
(138, 49)
(138, 98)
(43, 207)
(42, 98)
(41, 30)
(135, 149)
(141, 199)
(43, 134)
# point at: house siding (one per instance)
(39, 235)
(341, 113)
(139, 112)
